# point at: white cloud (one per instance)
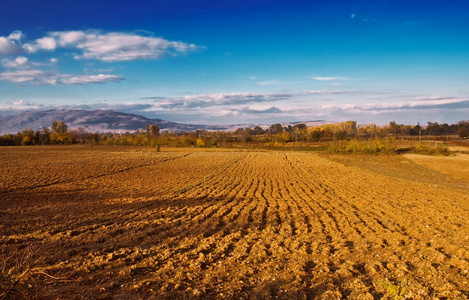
(24, 76)
(417, 103)
(435, 98)
(320, 78)
(47, 43)
(110, 47)
(69, 37)
(243, 111)
(42, 77)
(101, 78)
(319, 92)
(17, 62)
(233, 107)
(9, 46)
(218, 99)
(22, 103)
(119, 46)
(21, 60)
(16, 35)
(54, 60)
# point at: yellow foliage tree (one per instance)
(200, 143)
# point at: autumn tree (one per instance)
(300, 127)
(394, 128)
(200, 142)
(152, 132)
(314, 133)
(285, 136)
(276, 128)
(27, 137)
(248, 133)
(59, 134)
(258, 130)
(463, 129)
(59, 127)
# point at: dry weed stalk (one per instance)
(17, 270)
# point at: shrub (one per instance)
(429, 149)
(338, 146)
(376, 145)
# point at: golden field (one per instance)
(120, 223)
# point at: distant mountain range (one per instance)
(107, 121)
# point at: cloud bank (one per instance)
(236, 108)
(223, 108)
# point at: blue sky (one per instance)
(231, 62)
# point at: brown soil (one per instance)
(116, 223)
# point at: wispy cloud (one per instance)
(101, 78)
(253, 111)
(321, 78)
(22, 103)
(275, 82)
(329, 92)
(19, 76)
(208, 100)
(20, 61)
(434, 99)
(110, 46)
(43, 77)
(414, 104)
(248, 111)
(94, 44)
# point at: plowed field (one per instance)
(118, 223)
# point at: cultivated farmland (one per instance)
(134, 223)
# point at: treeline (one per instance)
(275, 135)
(461, 128)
